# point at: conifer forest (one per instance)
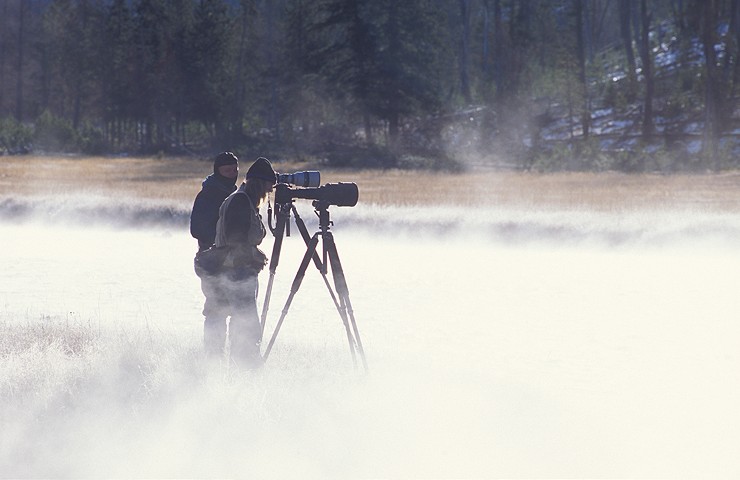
(627, 85)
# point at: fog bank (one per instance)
(566, 355)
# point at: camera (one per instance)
(339, 194)
(310, 178)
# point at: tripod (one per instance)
(330, 257)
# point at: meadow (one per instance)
(178, 180)
(516, 325)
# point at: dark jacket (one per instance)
(240, 231)
(204, 217)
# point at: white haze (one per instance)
(500, 343)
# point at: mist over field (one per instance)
(501, 342)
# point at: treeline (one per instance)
(369, 82)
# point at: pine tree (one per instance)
(386, 59)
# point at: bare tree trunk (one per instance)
(581, 53)
(736, 75)
(3, 54)
(498, 47)
(491, 61)
(19, 83)
(713, 88)
(485, 43)
(679, 14)
(274, 111)
(465, 50)
(732, 60)
(626, 34)
(599, 28)
(648, 127)
(240, 82)
(393, 43)
(587, 28)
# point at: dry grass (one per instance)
(178, 180)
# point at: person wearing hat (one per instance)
(216, 187)
(240, 231)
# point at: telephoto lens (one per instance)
(339, 194)
(309, 178)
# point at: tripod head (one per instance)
(339, 194)
(322, 211)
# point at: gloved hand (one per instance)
(260, 259)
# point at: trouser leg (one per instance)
(214, 337)
(215, 311)
(244, 326)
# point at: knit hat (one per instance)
(262, 169)
(224, 158)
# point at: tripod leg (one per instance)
(351, 313)
(345, 310)
(316, 259)
(306, 236)
(283, 218)
(310, 251)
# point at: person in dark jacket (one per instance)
(203, 219)
(216, 187)
(240, 230)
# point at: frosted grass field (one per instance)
(501, 343)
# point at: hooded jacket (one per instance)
(204, 216)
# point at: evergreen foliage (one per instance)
(564, 84)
